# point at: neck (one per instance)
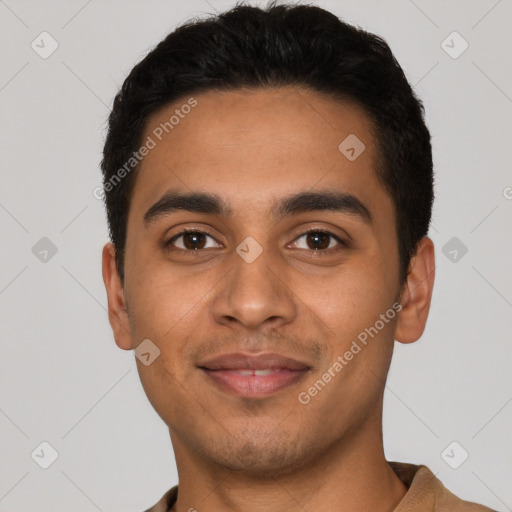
(353, 476)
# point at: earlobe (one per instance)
(117, 308)
(417, 294)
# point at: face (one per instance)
(259, 314)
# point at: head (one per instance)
(268, 123)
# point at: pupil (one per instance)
(319, 238)
(194, 237)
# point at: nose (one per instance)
(255, 295)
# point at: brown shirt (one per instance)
(425, 493)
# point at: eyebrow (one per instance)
(212, 204)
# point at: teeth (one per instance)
(257, 373)
(261, 373)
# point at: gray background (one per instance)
(64, 381)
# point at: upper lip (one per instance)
(240, 361)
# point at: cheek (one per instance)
(160, 299)
(352, 298)
(360, 348)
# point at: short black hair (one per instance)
(280, 45)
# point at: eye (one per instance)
(192, 240)
(318, 240)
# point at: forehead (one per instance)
(253, 146)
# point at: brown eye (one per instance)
(190, 240)
(317, 240)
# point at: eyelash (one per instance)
(342, 244)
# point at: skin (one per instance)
(252, 148)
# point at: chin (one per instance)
(262, 458)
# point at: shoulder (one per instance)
(426, 493)
(166, 502)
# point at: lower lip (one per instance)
(254, 386)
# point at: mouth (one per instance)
(251, 376)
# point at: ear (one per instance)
(416, 293)
(117, 310)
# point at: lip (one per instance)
(239, 374)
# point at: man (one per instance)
(268, 179)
